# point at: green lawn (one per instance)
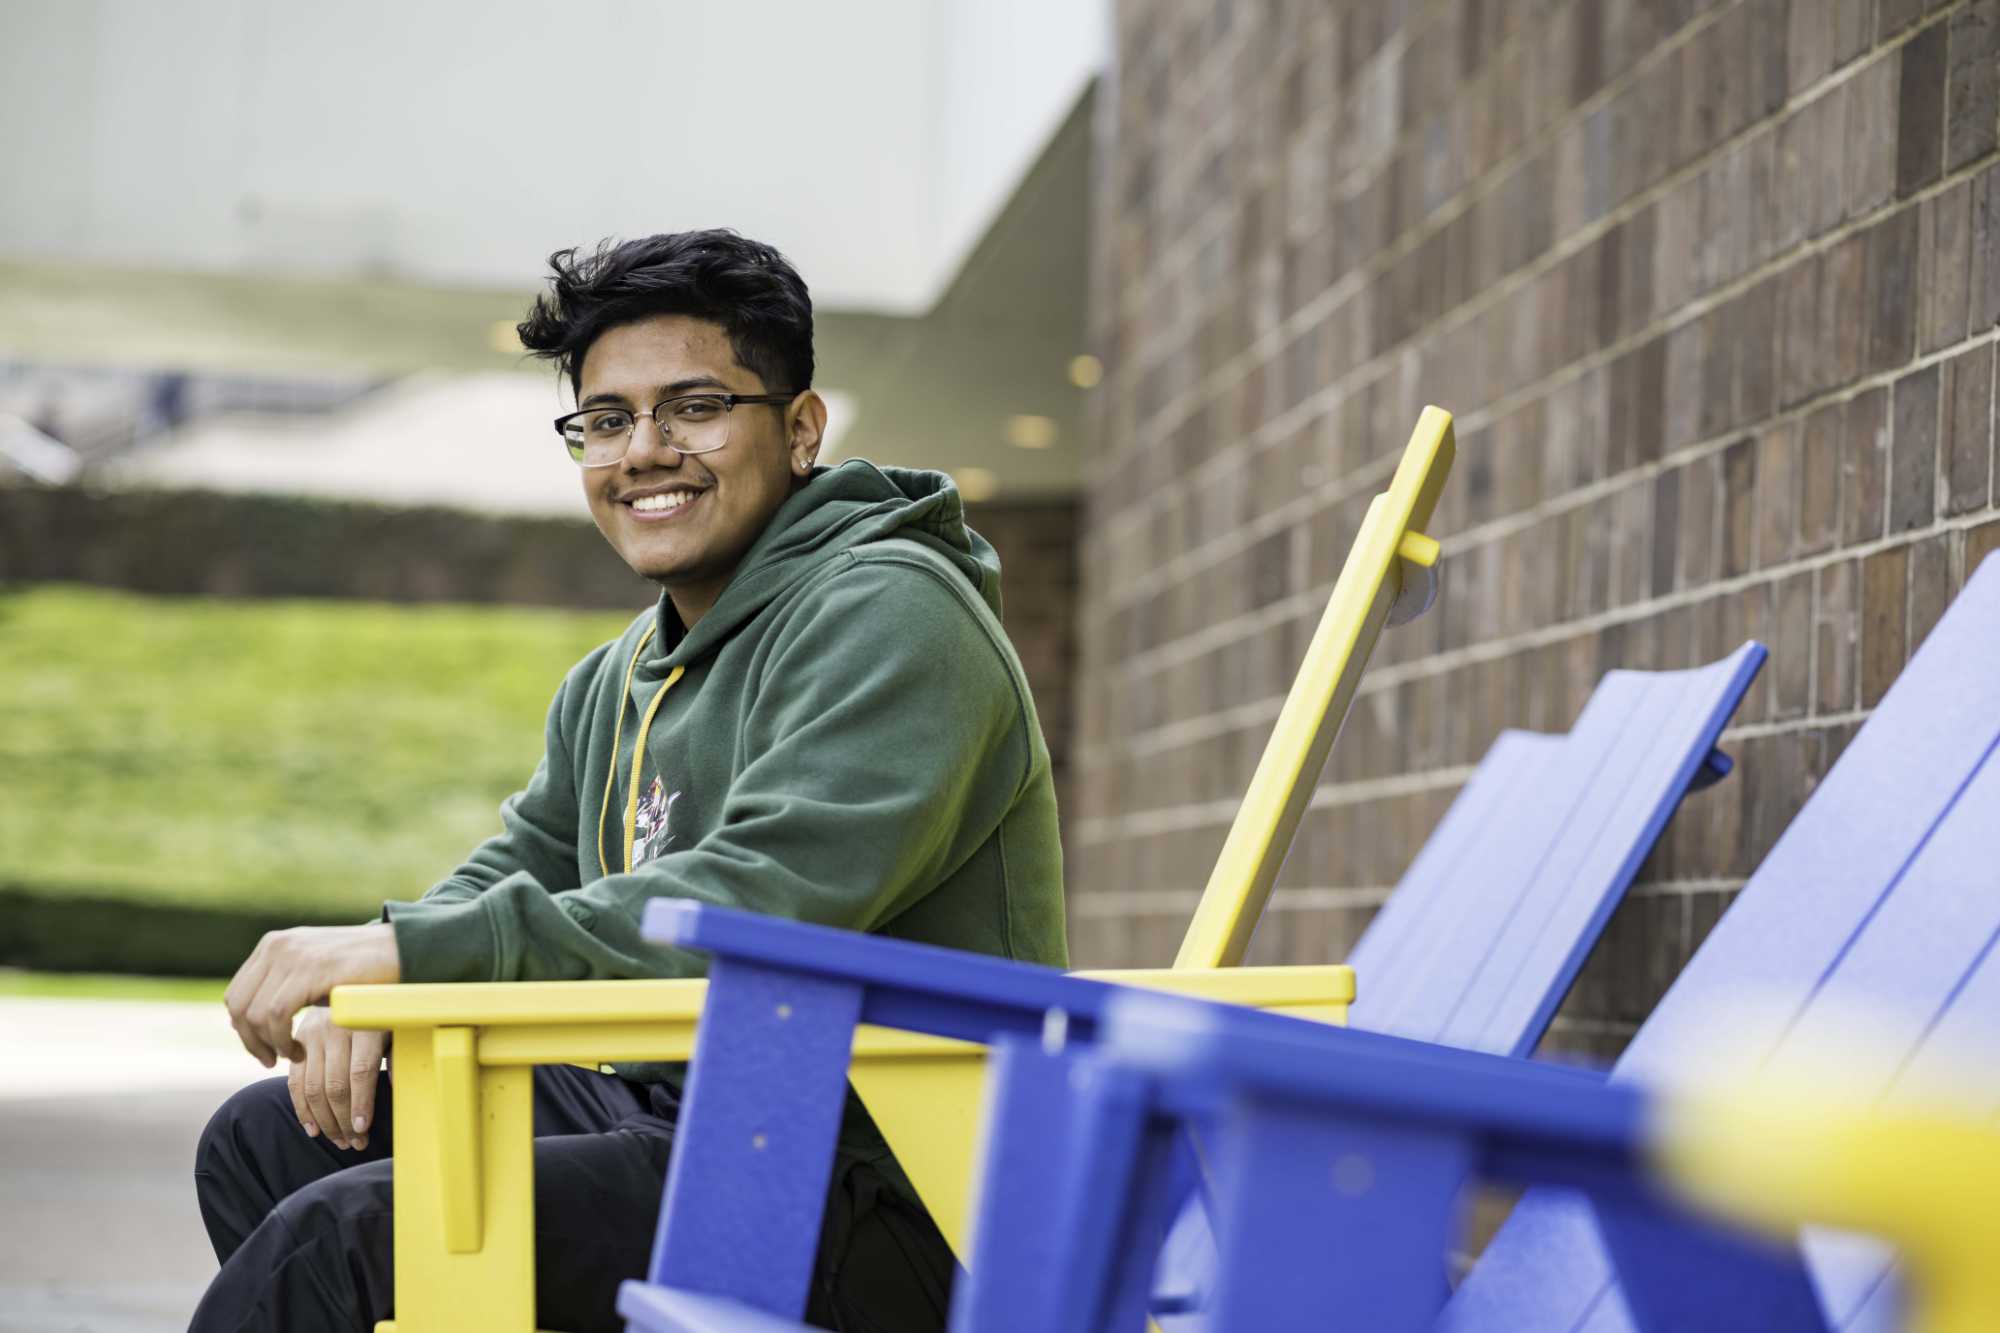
(279, 755)
(15, 981)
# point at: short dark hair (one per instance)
(747, 287)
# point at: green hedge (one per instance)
(282, 546)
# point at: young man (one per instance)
(821, 719)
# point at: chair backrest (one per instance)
(1884, 895)
(1486, 931)
(1389, 577)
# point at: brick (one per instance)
(1930, 585)
(1864, 467)
(1667, 527)
(1770, 56)
(1892, 16)
(1637, 406)
(1798, 169)
(1686, 350)
(1871, 118)
(1836, 636)
(1809, 55)
(1701, 506)
(1819, 481)
(1778, 486)
(1739, 497)
(1754, 386)
(1920, 111)
(1966, 442)
(1884, 621)
(1779, 790)
(1892, 273)
(1913, 465)
(1984, 281)
(1972, 88)
(1636, 305)
(1944, 266)
(1790, 673)
(1828, 116)
(1843, 309)
(1800, 333)
(1980, 542)
(1852, 23)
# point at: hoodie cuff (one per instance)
(444, 941)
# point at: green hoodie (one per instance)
(849, 741)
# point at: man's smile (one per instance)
(659, 504)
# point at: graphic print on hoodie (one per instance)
(651, 827)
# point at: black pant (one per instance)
(302, 1228)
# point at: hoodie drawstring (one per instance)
(638, 753)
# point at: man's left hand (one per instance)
(290, 969)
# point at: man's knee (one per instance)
(242, 1127)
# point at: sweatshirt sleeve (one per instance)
(886, 741)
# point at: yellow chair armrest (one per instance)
(517, 1003)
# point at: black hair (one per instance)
(747, 287)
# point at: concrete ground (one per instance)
(100, 1105)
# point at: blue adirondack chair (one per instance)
(1491, 924)
(1883, 894)
(1338, 1161)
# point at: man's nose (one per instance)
(647, 447)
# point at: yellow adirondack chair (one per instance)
(463, 1053)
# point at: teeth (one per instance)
(671, 500)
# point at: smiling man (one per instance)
(821, 719)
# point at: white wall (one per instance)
(458, 141)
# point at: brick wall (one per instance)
(1712, 290)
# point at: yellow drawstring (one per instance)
(638, 757)
(638, 753)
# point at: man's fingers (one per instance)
(315, 1089)
(241, 994)
(272, 1009)
(295, 1084)
(253, 1043)
(339, 1078)
(364, 1066)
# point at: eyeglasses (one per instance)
(691, 423)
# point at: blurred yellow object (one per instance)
(1779, 1153)
(464, 1222)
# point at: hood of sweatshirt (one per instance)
(841, 507)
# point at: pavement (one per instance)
(101, 1102)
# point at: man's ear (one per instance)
(805, 421)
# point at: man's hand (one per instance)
(290, 969)
(333, 1088)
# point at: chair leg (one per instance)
(1321, 1223)
(747, 1182)
(1062, 1153)
(491, 1285)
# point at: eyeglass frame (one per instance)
(728, 400)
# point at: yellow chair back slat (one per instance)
(1391, 560)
